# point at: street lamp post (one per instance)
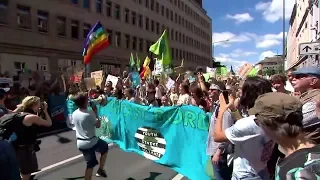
(227, 40)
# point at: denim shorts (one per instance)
(90, 154)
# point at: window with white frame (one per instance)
(19, 66)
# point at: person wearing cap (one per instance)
(281, 118)
(306, 80)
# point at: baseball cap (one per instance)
(215, 87)
(275, 105)
(311, 70)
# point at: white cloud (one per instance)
(228, 37)
(273, 10)
(266, 54)
(264, 41)
(232, 59)
(240, 18)
(269, 40)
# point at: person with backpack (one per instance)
(23, 122)
(9, 168)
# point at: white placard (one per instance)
(170, 83)
(113, 79)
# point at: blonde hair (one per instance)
(28, 102)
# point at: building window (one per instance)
(140, 1)
(118, 39)
(162, 28)
(126, 15)
(74, 1)
(86, 29)
(108, 8)
(23, 17)
(162, 10)
(140, 19)
(86, 4)
(152, 5)
(42, 21)
(127, 39)
(146, 3)
(152, 26)
(147, 45)
(158, 28)
(140, 44)
(4, 11)
(171, 15)
(134, 43)
(99, 6)
(167, 13)
(134, 17)
(61, 26)
(157, 7)
(19, 66)
(117, 12)
(74, 29)
(172, 34)
(147, 24)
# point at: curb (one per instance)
(54, 132)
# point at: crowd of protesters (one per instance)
(258, 128)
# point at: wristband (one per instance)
(233, 111)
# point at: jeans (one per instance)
(9, 168)
(221, 170)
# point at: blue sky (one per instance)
(253, 28)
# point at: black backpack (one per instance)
(10, 123)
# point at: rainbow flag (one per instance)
(97, 39)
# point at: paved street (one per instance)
(59, 159)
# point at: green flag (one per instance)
(138, 62)
(132, 63)
(162, 50)
(221, 70)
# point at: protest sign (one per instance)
(113, 79)
(98, 77)
(172, 136)
(90, 83)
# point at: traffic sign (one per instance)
(309, 48)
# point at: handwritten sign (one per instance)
(113, 79)
(170, 83)
(98, 77)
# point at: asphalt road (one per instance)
(60, 159)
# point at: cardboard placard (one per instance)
(98, 77)
(90, 83)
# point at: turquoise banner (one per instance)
(172, 136)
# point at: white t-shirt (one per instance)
(184, 99)
(253, 148)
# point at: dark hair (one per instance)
(2, 94)
(290, 126)
(252, 88)
(156, 82)
(81, 100)
(130, 91)
(221, 85)
(185, 87)
(278, 78)
(197, 91)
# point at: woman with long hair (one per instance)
(25, 143)
(252, 148)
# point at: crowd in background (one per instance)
(255, 121)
